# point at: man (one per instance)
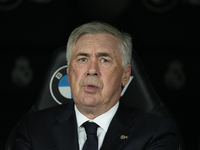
(98, 58)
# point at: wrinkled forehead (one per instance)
(102, 41)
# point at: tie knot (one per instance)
(90, 127)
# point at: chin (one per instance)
(89, 102)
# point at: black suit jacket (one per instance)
(130, 129)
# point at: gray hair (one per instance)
(102, 28)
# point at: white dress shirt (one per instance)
(103, 121)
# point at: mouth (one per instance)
(91, 88)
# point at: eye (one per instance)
(82, 59)
(104, 60)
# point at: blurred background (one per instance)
(166, 36)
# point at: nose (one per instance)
(93, 69)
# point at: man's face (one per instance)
(95, 72)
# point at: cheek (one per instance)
(113, 80)
(75, 76)
(71, 77)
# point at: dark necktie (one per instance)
(92, 141)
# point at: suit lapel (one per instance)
(65, 132)
(119, 131)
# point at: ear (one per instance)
(126, 74)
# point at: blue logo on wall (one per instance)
(64, 87)
(59, 86)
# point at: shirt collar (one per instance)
(103, 120)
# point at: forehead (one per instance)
(102, 42)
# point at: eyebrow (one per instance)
(100, 54)
(82, 54)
